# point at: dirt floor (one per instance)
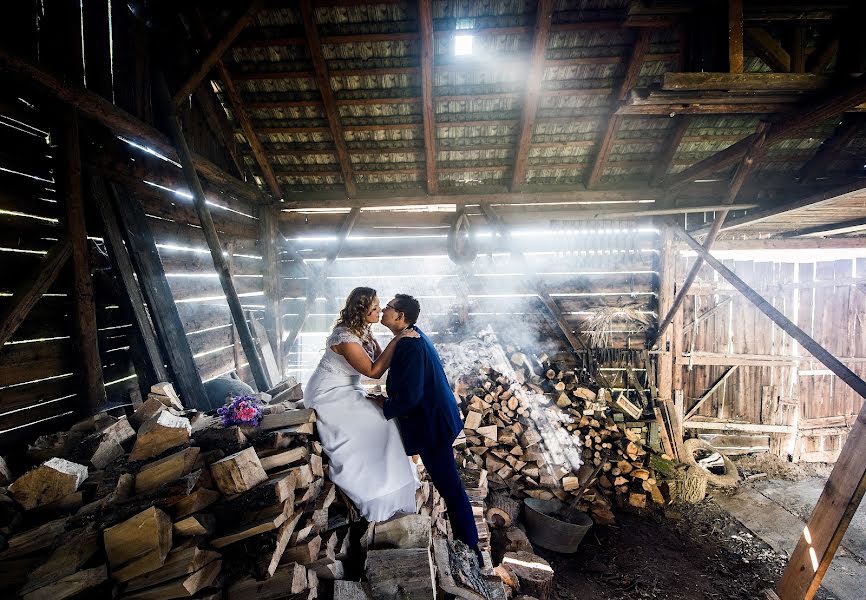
(696, 552)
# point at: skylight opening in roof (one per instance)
(463, 41)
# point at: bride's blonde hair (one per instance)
(353, 316)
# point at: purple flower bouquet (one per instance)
(242, 410)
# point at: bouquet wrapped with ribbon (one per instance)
(242, 410)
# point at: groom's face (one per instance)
(390, 317)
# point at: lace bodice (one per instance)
(335, 363)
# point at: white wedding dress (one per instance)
(367, 458)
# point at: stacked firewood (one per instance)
(168, 503)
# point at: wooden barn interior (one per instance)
(635, 228)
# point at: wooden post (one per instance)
(735, 36)
(166, 320)
(667, 282)
(210, 234)
(847, 482)
(126, 276)
(85, 322)
(268, 236)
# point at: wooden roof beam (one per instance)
(787, 126)
(841, 228)
(830, 149)
(543, 16)
(670, 148)
(639, 50)
(425, 21)
(323, 79)
(244, 121)
(236, 23)
(768, 49)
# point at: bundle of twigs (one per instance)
(599, 327)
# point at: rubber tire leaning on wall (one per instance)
(731, 477)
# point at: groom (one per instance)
(420, 397)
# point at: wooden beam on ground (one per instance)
(718, 384)
(815, 113)
(832, 148)
(541, 33)
(210, 234)
(854, 188)
(236, 22)
(157, 293)
(756, 150)
(768, 49)
(28, 293)
(666, 158)
(847, 482)
(640, 48)
(125, 274)
(85, 343)
(425, 21)
(93, 106)
(323, 80)
(268, 235)
(243, 120)
(735, 36)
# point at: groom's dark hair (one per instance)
(409, 306)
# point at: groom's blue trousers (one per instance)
(442, 469)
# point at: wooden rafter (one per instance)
(830, 229)
(847, 482)
(820, 59)
(533, 85)
(854, 188)
(247, 127)
(217, 121)
(425, 21)
(831, 149)
(744, 169)
(768, 49)
(26, 295)
(670, 148)
(639, 50)
(323, 79)
(735, 36)
(786, 126)
(209, 230)
(217, 47)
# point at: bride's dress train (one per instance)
(366, 454)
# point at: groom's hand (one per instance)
(377, 399)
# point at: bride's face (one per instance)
(375, 311)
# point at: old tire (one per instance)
(730, 478)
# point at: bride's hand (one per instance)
(408, 333)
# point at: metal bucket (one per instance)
(546, 529)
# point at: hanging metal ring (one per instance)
(461, 248)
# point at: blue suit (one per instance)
(421, 399)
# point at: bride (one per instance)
(367, 459)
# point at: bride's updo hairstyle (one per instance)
(353, 316)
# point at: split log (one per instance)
(288, 418)
(238, 472)
(268, 565)
(196, 501)
(164, 392)
(47, 483)
(160, 433)
(201, 524)
(533, 572)
(303, 554)
(70, 585)
(80, 547)
(274, 460)
(182, 587)
(395, 574)
(288, 579)
(352, 590)
(148, 409)
(261, 525)
(138, 545)
(410, 531)
(502, 510)
(5, 472)
(180, 561)
(165, 470)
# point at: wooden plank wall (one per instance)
(38, 384)
(777, 382)
(585, 265)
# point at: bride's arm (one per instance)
(356, 356)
